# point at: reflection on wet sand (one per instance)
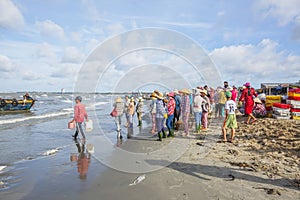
(83, 159)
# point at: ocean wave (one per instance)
(2, 168)
(48, 115)
(50, 152)
(66, 101)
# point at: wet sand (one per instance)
(253, 167)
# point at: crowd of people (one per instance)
(170, 110)
(174, 109)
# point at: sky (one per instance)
(45, 44)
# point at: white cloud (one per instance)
(256, 63)
(45, 50)
(202, 25)
(6, 65)
(48, 28)
(72, 55)
(30, 76)
(65, 70)
(10, 15)
(115, 28)
(285, 11)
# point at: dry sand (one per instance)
(263, 163)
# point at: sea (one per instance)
(32, 143)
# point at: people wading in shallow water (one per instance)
(139, 110)
(119, 106)
(79, 116)
(161, 115)
(247, 96)
(127, 102)
(153, 112)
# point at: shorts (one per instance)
(231, 121)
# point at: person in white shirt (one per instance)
(197, 109)
(230, 118)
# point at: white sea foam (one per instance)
(50, 152)
(2, 168)
(68, 109)
(48, 115)
(66, 101)
(44, 95)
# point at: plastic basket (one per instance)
(273, 97)
(281, 110)
(71, 125)
(295, 110)
(296, 106)
(296, 117)
(281, 105)
(293, 94)
(281, 117)
(295, 113)
(293, 102)
(294, 98)
(89, 125)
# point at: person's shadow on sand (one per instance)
(221, 172)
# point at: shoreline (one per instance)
(206, 170)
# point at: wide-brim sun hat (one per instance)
(176, 91)
(203, 91)
(153, 94)
(185, 91)
(141, 99)
(247, 84)
(171, 94)
(257, 100)
(118, 100)
(160, 95)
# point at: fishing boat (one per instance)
(15, 105)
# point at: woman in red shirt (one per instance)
(247, 96)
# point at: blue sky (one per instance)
(43, 44)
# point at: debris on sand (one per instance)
(138, 180)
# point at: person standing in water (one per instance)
(127, 102)
(130, 111)
(119, 106)
(153, 112)
(139, 110)
(79, 116)
(161, 115)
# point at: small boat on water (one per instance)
(15, 105)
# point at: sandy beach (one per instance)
(253, 167)
(262, 163)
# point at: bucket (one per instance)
(71, 125)
(89, 125)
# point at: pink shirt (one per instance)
(79, 112)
